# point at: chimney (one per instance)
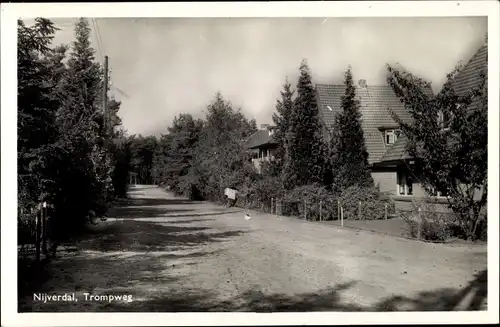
(264, 126)
(362, 83)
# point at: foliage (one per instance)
(200, 158)
(36, 109)
(427, 222)
(122, 157)
(61, 158)
(142, 150)
(183, 136)
(348, 155)
(373, 203)
(281, 120)
(304, 150)
(260, 192)
(315, 198)
(451, 160)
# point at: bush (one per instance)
(373, 203)
(319, 202)
(431, 224)
(258, 194)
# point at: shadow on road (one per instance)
(144, 212)
(155, 202)
(123, 256)
(133, 235)
(331, 299)
(467, 299)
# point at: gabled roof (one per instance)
(470, 75)
(465, 80)
(260, 138)
(376, 102)
(397, 151)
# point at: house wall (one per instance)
(386, 179)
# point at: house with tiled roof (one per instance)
(390, 163)
(382, 137)
(262, 145)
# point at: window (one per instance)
(439, 194)
(390, 136)
(405, 183)
(444, 120)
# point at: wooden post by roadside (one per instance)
(320, 209)
(386, 211)
(338, 210)
(419, 225)
(359, 210)
(272, 202)
(44, 228)
(38, 233)
(305, 210)
(342, 216)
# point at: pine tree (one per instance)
(281, 120)
(85, 167)
(349, 158)
(38, 77)
(81, 112)
(304, 150)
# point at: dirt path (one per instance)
(171, 254)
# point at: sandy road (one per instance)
(172, 254)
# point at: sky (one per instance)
(161, 67)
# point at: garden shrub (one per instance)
(314, 198)
(431, 224)
(258, 194)
(373, 203)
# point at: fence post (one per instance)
(342, 216)
(305, 209)
(359, 210)
(419, 224)
(338, 209)
(320, 210)
(44, 228)
(38, 230)
(386, 211)
(271, 206)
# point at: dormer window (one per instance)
(444, 120)
(390, 136)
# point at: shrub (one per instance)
(373, 203)
(431, 224)
(317, 201)
(259, 193)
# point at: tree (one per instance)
(38, 77)
(281, 120)
(159, 172)
(454, 160)
(183, 136)
(348, 155)
(142, 151)
(304, 150)
(221, 159)
(84, 166)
